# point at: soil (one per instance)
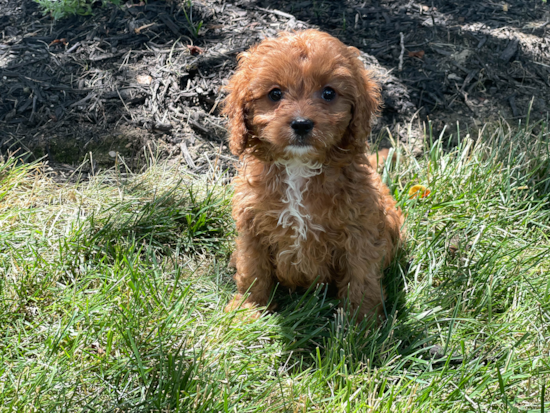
(150, 75)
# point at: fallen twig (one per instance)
(400, 67)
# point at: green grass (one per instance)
(112, 294)
(60, 9)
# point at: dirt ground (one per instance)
(150, 75)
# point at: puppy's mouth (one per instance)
(299, 149)
(299, 145)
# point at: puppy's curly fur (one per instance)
(308, 205)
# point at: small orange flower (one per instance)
(418, 191)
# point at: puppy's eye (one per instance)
(275, 95)
(328, 94)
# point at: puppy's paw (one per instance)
(238, 302)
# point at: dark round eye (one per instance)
(275, 95)
(328, 94)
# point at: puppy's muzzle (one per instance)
(302, 129)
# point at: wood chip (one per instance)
(510, 50)
(144, 79)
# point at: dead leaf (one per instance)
(96, 347)
(63, 41)
(418, 53)
(454, 246)
(194, 50)
(457, 244)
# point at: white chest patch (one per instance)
(297, 177)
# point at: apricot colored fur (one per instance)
(313, 213)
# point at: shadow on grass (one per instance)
(324, 334)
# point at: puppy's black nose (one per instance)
(302, 126)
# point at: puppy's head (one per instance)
(300, 95)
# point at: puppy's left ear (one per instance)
(366, 105)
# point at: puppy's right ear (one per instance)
(235, 107)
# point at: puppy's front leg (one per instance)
(254, 273)
(361, 287)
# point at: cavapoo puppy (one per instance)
(309, 206)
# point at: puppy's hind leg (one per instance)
(378, 159)
(254, 274)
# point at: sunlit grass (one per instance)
(112, 294)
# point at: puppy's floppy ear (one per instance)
(235, 107)
(366, 105)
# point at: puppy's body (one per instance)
(308, 205)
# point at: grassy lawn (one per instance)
(112, 293)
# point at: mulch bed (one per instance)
(142, 76)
